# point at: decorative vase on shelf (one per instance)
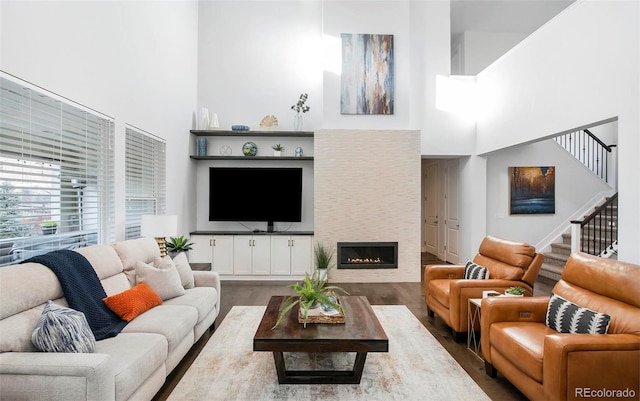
(204, 118)
(201, 148)
(214, 121)
(249, 149)
(297, 122)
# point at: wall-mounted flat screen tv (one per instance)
(255, 194)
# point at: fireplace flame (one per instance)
(370, 261)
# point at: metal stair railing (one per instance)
(589, 150)
(597, 233)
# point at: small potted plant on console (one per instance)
(516, 291)
(175, 245)
(277, 149)
(322, 256)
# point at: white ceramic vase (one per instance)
(204, 118)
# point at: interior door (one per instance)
(431, 196)
(452, 220)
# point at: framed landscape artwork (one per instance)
(532, 190)
(367, 80)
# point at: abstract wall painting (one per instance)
(367, 81)
(532, 190)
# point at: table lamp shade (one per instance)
(159, 227)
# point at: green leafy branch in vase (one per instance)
(300, 106)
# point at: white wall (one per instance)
(477, 50)
(256, 57)
(134, 61)
(473, 204)
(261, 68)
(442, 133)
(563, 77)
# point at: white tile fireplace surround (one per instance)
(367, 189)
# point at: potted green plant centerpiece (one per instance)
(310, 294)
(49, 227)
(516, 291)
(277, 149)
(175, 245)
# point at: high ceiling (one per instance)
(516, 16)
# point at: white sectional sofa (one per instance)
(130, 366)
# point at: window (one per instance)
(56, 173)
(145, 162)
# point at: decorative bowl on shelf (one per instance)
(240, 128)
(249, 149)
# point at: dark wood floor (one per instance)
(257, 293)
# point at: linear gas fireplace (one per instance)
(367, 255)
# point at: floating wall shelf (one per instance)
(252, 133)
(249, 158)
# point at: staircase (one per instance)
(599, 238)
(555, 260)
(598, 229)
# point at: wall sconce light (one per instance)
(159, 227)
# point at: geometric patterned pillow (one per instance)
(474, 271)
(62, 329)
(566, 317)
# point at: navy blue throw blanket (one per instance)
(83, 290)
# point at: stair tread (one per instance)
(551, 272)
(552, 268)
(556, 256)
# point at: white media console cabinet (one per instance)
(260, 256)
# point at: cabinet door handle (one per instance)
(214, 242)
(210, 242)
(291, 242)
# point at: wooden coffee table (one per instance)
(361, 333)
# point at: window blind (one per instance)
(56, 173)
(145, 169)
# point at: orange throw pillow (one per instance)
(134, 301)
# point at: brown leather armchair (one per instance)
(447, 294)
(547, 365)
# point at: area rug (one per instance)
(416, 367)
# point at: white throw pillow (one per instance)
(165, 282)
(184, 269)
